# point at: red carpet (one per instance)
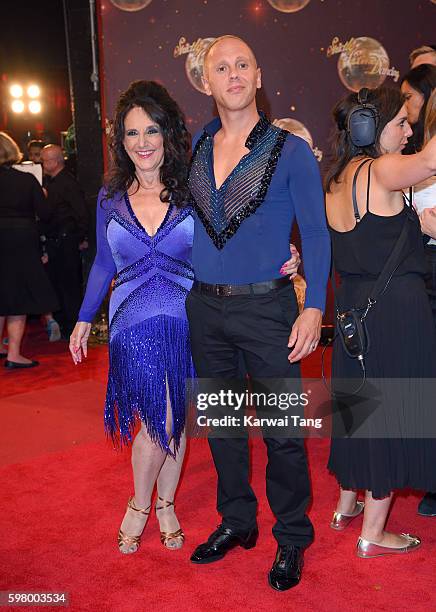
(64, 492)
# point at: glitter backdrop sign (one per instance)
(311, 52)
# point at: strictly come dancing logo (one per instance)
(363, 62)
(194, 59)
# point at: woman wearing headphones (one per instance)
(367, 214)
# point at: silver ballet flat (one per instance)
(368, 550)
(340, 520)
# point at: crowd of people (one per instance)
(196, 248)
(44, 228)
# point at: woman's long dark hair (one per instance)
(388, 103)
(422, 79)
(161, 108)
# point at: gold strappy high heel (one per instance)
(165, 536)
(129, 541)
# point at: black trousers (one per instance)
(258, 326)
(64, 270)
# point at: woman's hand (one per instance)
(291, 266)
(79, 341)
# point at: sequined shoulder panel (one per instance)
(223, 210)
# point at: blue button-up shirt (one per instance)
(257, 248)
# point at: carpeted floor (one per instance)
(64, 491)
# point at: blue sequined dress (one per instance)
(148, 329)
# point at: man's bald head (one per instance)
(54, 151)
(213, 48)
(231, 74)
(52, 159)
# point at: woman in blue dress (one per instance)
(144, 240)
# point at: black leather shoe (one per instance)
(14, 365)
(287, 567)
(427, 505)
(221, 541)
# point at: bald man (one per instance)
(67, 228)
(250, 180)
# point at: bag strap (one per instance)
(393, 262)
(354, 189)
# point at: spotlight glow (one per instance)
(33, 91)
(17, 106)
(35, 107)
(16, 91)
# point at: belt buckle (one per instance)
(224, 290)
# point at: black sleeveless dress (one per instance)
(402, 346)
(24, 284)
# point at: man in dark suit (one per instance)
(66, 234)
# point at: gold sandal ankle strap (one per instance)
(166, 503)
(132, 506)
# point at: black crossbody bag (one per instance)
(351, 323)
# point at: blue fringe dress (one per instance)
(148, 329)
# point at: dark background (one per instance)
(299, 80)
(32, 49)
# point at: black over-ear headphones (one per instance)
(362, 121)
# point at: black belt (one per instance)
(251, 289)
